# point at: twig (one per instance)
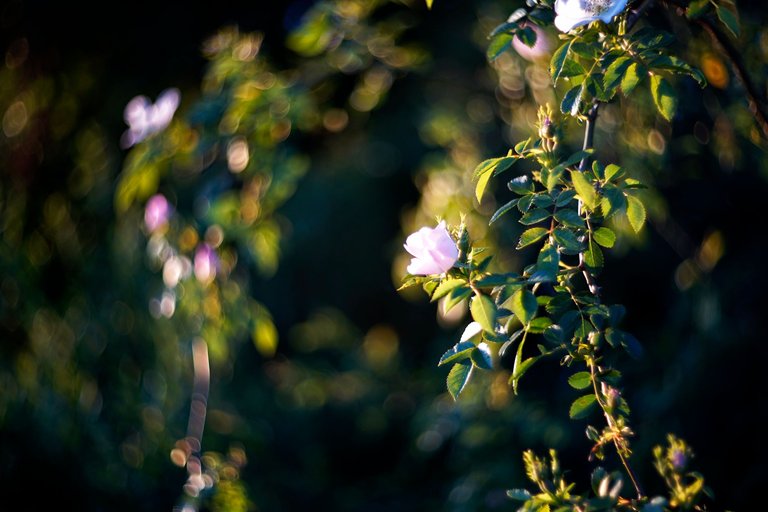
(754, 100)
(635, 15)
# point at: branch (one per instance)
(589, 137)
(721, 41)
(635, 15)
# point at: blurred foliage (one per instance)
(322, 133)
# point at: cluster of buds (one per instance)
(547, 129)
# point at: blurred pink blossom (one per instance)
(433, 249)
(156, 212)
(541, 49)
(206, 263)
(145, 118)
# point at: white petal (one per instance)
(615, 9)
(420, 267)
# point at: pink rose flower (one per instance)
(433, 250)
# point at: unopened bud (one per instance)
(678, 460)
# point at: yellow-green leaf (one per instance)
(664, 97)
(585, 189)
(635, 213)
(523, 304)
(484, 312)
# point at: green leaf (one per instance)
(458, 352)
(728, 15)
(493, 280)
(605, 237)
(567, 240)
(572, 100)
(569, 217)
(521, 185)
(531, 236)
(527, 36)
(534, 216)
(483, 172)
(523, 304)
(593, 257)
(521, 146)
(484, 312)
(696, 9)
(455, 296)
(581, 407)
(632, 346)
(554, 334)
(481, 357)
(539, 324)
(458, 378)
(615, 72)
(635, 213)
(519, 370)
(663, 96)
(585, 189)
(498, 45)
(613, 201)
(581, 380)
(519, 494)
(558, 60)
(524, 204)
(613, 171)
(565, 197)
(445, 287)
(547, 265)
(501, 211)
(631, 78)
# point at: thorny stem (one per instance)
(589, 136)
(612, 424)
(756, 106)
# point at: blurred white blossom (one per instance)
(145, 118)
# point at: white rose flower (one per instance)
(575, 13)
(433, 250)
